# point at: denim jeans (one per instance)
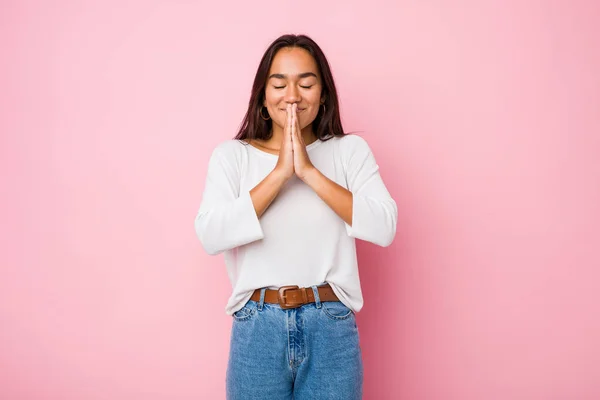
(309, 352)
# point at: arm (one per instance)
(265, 192)
(338, 198)
(228, 217)
(368, 210)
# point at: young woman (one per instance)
(284, 201)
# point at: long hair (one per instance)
(328, 124)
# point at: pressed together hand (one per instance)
(293, 157)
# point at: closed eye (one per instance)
(303, 87)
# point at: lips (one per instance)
(300, 109)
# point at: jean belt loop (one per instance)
(316, 293)
(262, 298)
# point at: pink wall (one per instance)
(484, 117)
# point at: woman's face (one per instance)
(293, 78)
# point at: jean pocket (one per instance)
(336, 310)
(246, 312)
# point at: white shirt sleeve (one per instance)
(374, 211)
(226, 217)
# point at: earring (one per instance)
(261, 114)
(323, 108)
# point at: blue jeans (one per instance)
(308, 352)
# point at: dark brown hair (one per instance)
(328, 124)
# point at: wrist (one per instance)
(279, 176)
(309, 175)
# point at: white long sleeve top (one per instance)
(299, 239)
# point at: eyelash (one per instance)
(304, 87)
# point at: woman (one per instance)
(284, 201)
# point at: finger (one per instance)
(289, 108)
(293, 130)
(297, 128)
(295, 116)
(297, 121)
(288, 130)
(294, 133)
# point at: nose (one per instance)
(292, 94)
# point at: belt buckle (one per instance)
(281, 297)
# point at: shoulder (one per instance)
(229, 150)
(352, 144)
(229, 155)
(229, 147)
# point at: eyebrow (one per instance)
(300, 76)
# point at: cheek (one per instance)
(312, 114)
(306, 117)
(272, 99)
(279, 118)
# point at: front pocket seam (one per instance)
(250, 313)
(336, 317)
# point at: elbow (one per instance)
(211, 251)
(387, 239)
(375, 222)
(204, 237)
(209, 248)
(386, 236)
(390, 232)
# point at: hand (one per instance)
(302, 163)
(285, 163)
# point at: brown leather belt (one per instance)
(294, 296)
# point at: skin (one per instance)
(296, 84)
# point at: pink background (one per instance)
(484, 118)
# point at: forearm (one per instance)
(338, 198)
(265, 192)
